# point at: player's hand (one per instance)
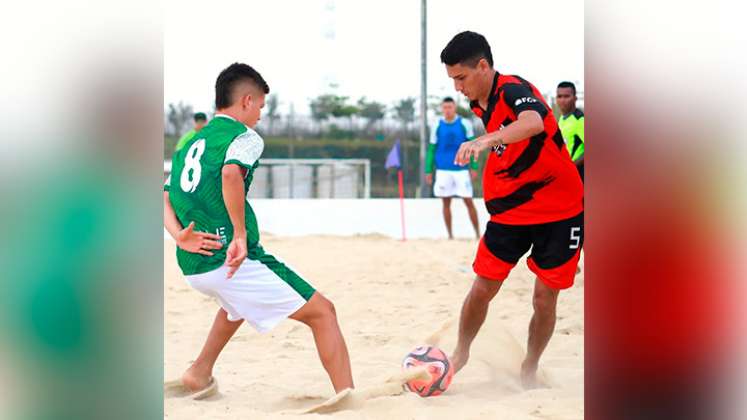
(470, 150)
(429, 178)
(473, 173)
(197, 242)
(235, 255)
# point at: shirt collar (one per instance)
(230, 118)
(492, 100)
(225, 116)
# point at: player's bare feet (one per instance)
(529, 375)
(459, 359)
(196, 379)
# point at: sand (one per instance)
(390, 296)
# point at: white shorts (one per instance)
(263, 291)
(452, 184)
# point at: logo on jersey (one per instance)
(221, 231)
(527, 100)
(499, 150)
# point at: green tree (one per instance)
(372, 111)
(404, 112)
(329, 105)
(321, 107)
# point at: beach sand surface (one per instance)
(390, 296)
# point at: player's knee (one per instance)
(483, 290)
(329, 309)
(544, 304)
(325, 310)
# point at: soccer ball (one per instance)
(439, 368)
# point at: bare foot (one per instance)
(529, 375)
(459, 359)
(195, 379)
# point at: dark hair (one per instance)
(230, 77)
(200, 116)
(448, 99)
(467, 48)
(568, 85)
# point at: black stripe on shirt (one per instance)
(527, 158)
(522, 195)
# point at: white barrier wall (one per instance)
(423, 217)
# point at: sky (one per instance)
(361, 48)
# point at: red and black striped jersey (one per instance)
(531, 181)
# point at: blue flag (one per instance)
(393, 158)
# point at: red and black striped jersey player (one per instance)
(531, 190)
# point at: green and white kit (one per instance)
(264, 291)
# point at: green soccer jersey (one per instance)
(572, 128)
(196, 187)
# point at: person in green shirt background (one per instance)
(571, 123)
(200, 120)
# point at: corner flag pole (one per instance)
(401, 201)
(394, 160)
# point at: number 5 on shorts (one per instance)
(575, 231)
(192, 164)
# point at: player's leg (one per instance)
(499, 250)
(474, 311)
(447, 215)
(464, 190)
(472, 215)
(198, 375)
(554, 258)
(319, 314)
(541, 328)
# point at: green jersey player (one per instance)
(206, 192)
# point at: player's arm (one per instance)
(528, 124)
(186, 238)
(234, 199)
(530, 113)
(580, 133)
(241, 156)
(430, 154)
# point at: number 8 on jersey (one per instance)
(192, 169)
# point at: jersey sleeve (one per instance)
(245, 149)
(167, 184)
(580, 129)
(430, 159)
(520, 98)
(468, 130)
(434, 133)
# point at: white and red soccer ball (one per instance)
(439, 368)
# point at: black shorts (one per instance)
(555, 246)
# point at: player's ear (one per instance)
(246, 100)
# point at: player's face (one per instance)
(449, 110)
(472, 82)
(253, 105)
(566, 99)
